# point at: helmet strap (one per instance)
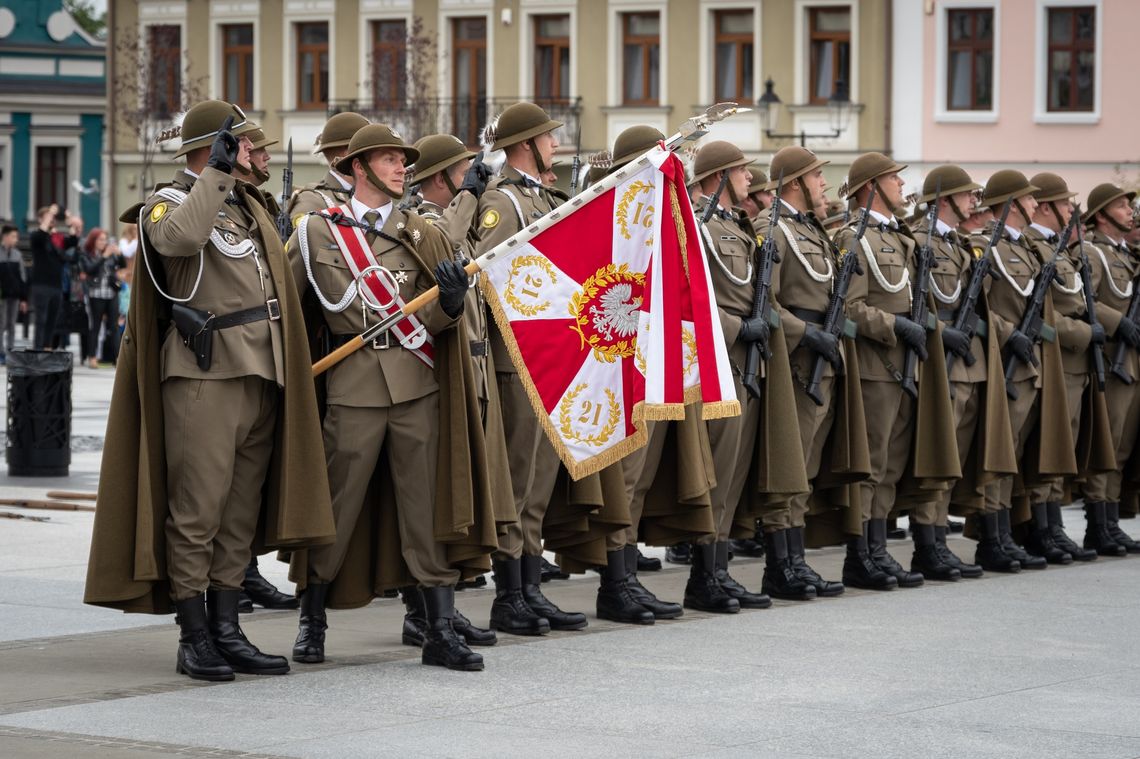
(957, 211)
(538, 162)
(809, 199)
(450, 185)
(375, 180)
(1021, 210)
(262, 176)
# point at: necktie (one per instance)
(370, 218)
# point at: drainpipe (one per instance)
(110, 189)
(888, 30)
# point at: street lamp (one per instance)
(838, 113)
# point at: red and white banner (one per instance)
(608, 312)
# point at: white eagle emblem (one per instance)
(618, 312)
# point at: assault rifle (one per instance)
(919, 309)
(836, 317)
(284, 223)
(1085, 274)
(762, 290)
(1132, 314)
(714, 201)
(576, 164)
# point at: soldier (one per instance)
(759, 197)
(258, 173)
(387, 397)
(1114, 273)
(228, 385)
(335, 188)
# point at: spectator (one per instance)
(12, 288)
(46, 281)
(100, 264)
(128, 244)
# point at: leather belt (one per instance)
(271, 311)
(808, 315)
(382, 342)
(478, 348)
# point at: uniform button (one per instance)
(221, 188)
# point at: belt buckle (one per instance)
(273, 308)
(478, 348)
(380, 342)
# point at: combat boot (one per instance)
(415, 616)
(780, 578)
(749, 547)
(702, 591)
(474, 636)
(927, 559)
(681, 553)
(797, 553)
(1012, 549)
(551, 571)
(532, 592)
(747, 599)
(615, 601)
(860, 571)
(309, 647)
(951, 558)
(646, 563)
(1112, 521)
(510, 612)
(1061, 538)
(262, 592)
(197, 657)
(1039, 540)
(991, 556)
(235, 648)
(877, 547)
(443, 647)
(1097, 536)
(641, 594)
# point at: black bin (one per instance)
(39, 413)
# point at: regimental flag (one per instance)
(607, 310)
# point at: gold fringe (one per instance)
(660, 412)
(680, 224)
(720, 409)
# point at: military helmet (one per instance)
(258, 138)
(1102, 195)
(867, 167)
(520, 122)
(1050, 186)
(438, 152)
(632, 142)
(793, 162)
(717, 156)
(338, 130)
(947, 179)
(594, 175)
(759, 180)
(374, 137)
(203, 122)
(1007, 184)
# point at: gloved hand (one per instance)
(823, 343)
(452, 280)
(1021, 346)
(913, 334)
(224, 151)
(476, 178)
(754, 329)
(1097, 336)
(958, 343)
(1128, 332)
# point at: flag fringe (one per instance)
(720, 409)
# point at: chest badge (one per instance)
(401, 277)
(490, 219)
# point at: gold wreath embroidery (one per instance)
(639, 355)
(517, 266)
(690, 342)
(565, 418)
(622, 211)
(607, 275)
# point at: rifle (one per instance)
(576, 164)
(284, 223)
(1033, 319)
(836, 316)
(966, 321)
(1133, 313)
(762, 289)
(714, 201)
(1085, 274)
(919, 309)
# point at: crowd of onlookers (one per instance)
(68, 282)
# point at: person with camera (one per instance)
(100, 264)
(48, 262)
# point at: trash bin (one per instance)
(39, 413)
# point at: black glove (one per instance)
(1021, 346)
(1097, 334)
(823, 343)
(476, 178)
(224, 151)
(1128, 332)
(913, 334)
(754, 329)
(958, 343)
(452, 280)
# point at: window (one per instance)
(829, 35)
(389, 63)
(51, 175)
(164, 51)
(970, 65)
(468, 77)
(733, 44)
(312, 66)
(1071, 63)
(237, 64)
(641, 58)
(552, 58)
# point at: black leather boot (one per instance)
(877, 547)
(235, 648)
(747, 599)
(682, 553)
(309, 647)
(860, 571)
(1012, 549)
(951, 558)
(780, 578)
(1112, 520)
(796, 552)
(646, 563)
(1097, 536)
(197, 657)
(1061, 539)
(245, 603)
(641, 594)
(532, 592)
(551, 571)
(443, 647)
(615, 601)
(1039, 540)
(702, 591)
(991, 556)
(415, 616)
(927, 559)
(510, 612)
(264, 593)
(475, 636)
(749, 547)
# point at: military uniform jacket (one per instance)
(1073, 331)
(318, 196)
(1114, 269)
(1015, 269)
(732, 248)
(948, 283)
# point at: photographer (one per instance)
(12, 288)
(48, 261)
(101, 262)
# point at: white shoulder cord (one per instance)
(1022, 291)
(178, 197)
(1077, 286)
(827, 276)
(1127, 293)
(303, 244)
(747, 280)
(942, 297)
(873, 265)
(518, 208)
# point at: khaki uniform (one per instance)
(318, 196)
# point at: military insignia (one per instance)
(886, 249)
(401, 277)
(230, 237)
(395, 133)
(157, 212)
(979, 252)
(297, 220)
(416, 234)
(842, 253)
(759, 239)
(399, 225)
(490, 219)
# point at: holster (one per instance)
(197, 332)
